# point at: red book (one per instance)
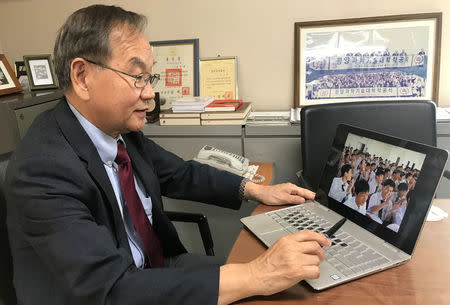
(223, 105)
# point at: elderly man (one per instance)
(84, 190)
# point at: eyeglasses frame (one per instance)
(152, 78)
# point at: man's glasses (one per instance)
(141, 80)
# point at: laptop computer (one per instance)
(382, 228)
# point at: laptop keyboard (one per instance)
(346, 253)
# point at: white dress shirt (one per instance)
(351, 203)
(107, 149)
(338, 189)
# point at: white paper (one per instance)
(442, 113)
(436, 214)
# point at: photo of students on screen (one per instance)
(376, 179)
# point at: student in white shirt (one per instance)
(398, 202)
(380, 200)
(375, 184)
(362, 172)
(341, 186)
(373, 170)
(358, 202)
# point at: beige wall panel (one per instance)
(259, 32)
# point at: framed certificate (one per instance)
(219, 78)
(177, 63)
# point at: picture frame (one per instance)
(177, 62)
(219, 77)
(40, 71)
(8, 81)
(367, 59)
(21, 70)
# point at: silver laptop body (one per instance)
(361, 246)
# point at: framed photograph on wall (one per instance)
(40, 71)
(219, 77)
(364, 59)
(8, 81)
(177, 63)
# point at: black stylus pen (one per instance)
(334, 228)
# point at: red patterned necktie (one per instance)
(140, 220)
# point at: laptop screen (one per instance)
(383, 184)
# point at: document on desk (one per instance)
(442, 114)
(436, 214)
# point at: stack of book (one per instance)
(223, 105)
(168, 117)
(227, 117)
(191, 104)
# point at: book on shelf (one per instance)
(179, 121)
(223, 105)
(191, 104)
(240, 113)
(224, 122)
(170, 114)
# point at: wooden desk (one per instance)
(421, 281)
(265, 170)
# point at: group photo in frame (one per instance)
(40, 71)
(176, 61)
(219, 77)
(367, 59)
(8, 81)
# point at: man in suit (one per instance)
(84, 190)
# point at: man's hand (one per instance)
(291, 259)
(278, 194)
(350, 186)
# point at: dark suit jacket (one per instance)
(68, 241)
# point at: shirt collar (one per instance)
(105, 144)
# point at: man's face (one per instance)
(116, 105)
(379, 178)
(386, 191)
(402, 193)
(348, 175)
(361, 198)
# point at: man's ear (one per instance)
(78, 74)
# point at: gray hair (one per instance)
(86, 34)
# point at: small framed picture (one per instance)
(8, 81)
(40, 71)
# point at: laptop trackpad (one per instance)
(271, 237)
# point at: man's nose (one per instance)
(147, 92)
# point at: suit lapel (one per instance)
(85, 149)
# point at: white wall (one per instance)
(386, 151)
(259, 32)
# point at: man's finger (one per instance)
(302, 192)
(307, 235)
(296, 199)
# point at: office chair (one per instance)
(411, 120)
(203, 226)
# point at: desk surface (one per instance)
(265, 170)
(423, 280)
